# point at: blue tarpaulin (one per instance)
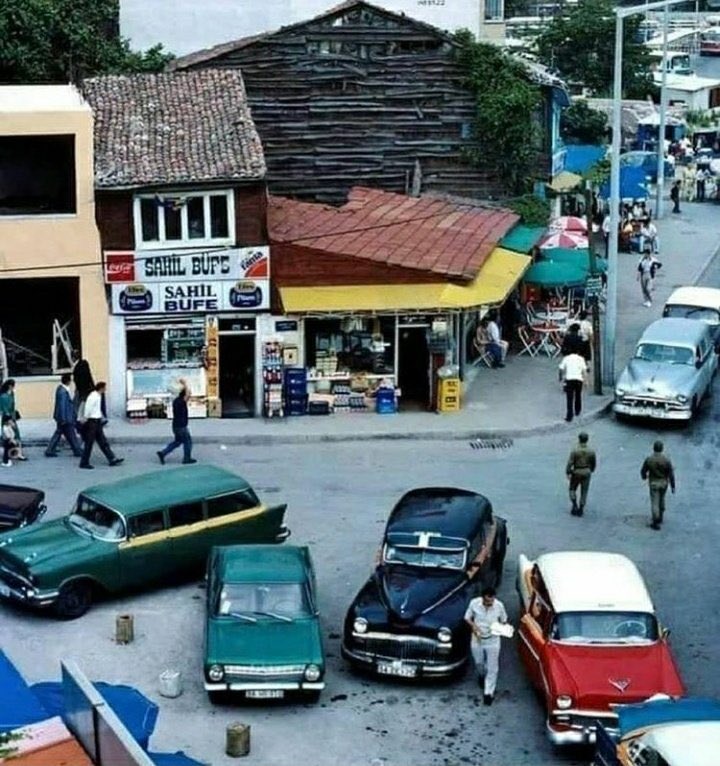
(644, 714)
(579, 158)
(18, 705)
(632, 184)
(173, 759)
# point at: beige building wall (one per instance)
(62, 245)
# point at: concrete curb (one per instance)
(708, 262)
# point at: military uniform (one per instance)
(579, 469)
(658, 470)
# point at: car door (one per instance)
(189, 538)
(145, 557)
(532, 635)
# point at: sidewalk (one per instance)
(523, 398)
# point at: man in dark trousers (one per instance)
(580, 467)
(572, 372)
(65, 419)
(659, 473)
(675, 196)
(181, 432)
(93, 431)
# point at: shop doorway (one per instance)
(237, 375)
(414, 368)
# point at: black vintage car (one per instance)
(20, 506)
(408, 619)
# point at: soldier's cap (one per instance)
(658, 446)
(583, 437)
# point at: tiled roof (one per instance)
(173, 128)
(425, 233)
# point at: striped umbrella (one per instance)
(569, 223)
(565, 239)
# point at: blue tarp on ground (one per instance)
(644, 714)
(18, 705)
(579, 158)
(173, 759)
(632, 184)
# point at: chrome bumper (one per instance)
(28, 595)
(659, 413)
(424, 668)
(237, 686)
(578, 733)
(282, 535)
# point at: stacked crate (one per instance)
(296, 395)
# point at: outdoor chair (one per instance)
(529, 341)
(483, 355)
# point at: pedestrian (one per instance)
(8, 408)
(572, 372)
(645, 273)
(9, 443)
(181, 432)
(675, 196)
(700, 177)
(93, 431)
(84, 383)
(580, 467)
(65, 419)
(658, 471)
(480, 615)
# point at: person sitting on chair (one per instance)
(497, 346)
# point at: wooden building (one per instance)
(363, 96)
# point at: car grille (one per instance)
(12, 579)
(578, 721)
(658, 404)
(264, 670)
(401, 648)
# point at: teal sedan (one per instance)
(262, 632)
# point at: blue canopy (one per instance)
(579, 158)
(18, 705)
(655, 712)
(632, 184)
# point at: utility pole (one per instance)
(594, 296)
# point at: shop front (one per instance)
(188, 318)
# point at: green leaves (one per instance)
(580, 124)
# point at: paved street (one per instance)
(339, 496)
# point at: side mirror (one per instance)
(665, 633)
(698, 364)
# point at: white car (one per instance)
(699, 303)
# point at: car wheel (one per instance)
(218, 698)
(694, 406)
(74, 599)
(312, 697)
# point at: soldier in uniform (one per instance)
(658, 471)
(580, 467)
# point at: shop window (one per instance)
(34, 314)
(494, 10)
(355, 344)
(38, 175)
(203, 218)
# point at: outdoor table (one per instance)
(550, 340)
(551, 317)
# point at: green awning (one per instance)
(556, 274)
(579, 256)
(522, 239)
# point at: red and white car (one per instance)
(589, 639)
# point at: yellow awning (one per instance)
(497, 277)
(564, 182)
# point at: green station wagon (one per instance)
(132, 534)
(262, 633)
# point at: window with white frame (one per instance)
(200, 218)
(494, 10)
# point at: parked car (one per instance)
(698, 303)
(20, 506)
(262, 630)
(589, 639)
(671, 373)
(408, 619)
(663, 732)
(132, 534)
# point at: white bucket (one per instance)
(171, 683)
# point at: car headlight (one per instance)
(360, 625)
(619, 392)
(563, 701)
(681, 398)
(444, 635)
(312, 673)
(216, 673)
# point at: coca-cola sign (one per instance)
(119, 266)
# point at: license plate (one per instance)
(265, 694)
(396, 669)
(4, 591)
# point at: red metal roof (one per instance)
(425, 233)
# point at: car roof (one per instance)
(675, 331)
(706, 297)
(693, 743)
(159, 489)
(584, 581)
(262, 563)
(445, 511)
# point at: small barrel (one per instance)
(170, 683)
(124, 629)
(237, 740)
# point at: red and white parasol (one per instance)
(568, 240)
(569, 223)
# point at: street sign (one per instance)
(593, 286)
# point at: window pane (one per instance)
(196, 218)
(222, 506)
(219, 216)
(149, 219)
(189, 513)
(173, 226)
(147, 523)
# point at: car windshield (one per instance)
(446, 558)
(605, 627)
(96, 520)
(283, 601)
(701, 313)
(657, 352)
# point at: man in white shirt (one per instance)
(501, 345)
(572, 372)
(485, 647)
(93, 431)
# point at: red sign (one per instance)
(119, 266)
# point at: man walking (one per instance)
(645, 273)
(65, 419)
(675, 196)
(181, 432)
(572, 371)
(485, 647)
(580, 467)
(659, 473)
(93, 432)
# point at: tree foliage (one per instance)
(46, 41)
(505, 129)
(580, 45)
(533, 211)
(579, 124)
